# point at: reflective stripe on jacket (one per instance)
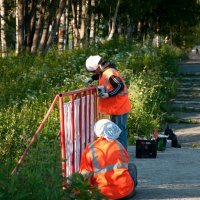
(108, 163)
(115, 105)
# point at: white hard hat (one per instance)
(92, 63)
(107, 129)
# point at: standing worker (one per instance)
(113, 97)
(106, 163)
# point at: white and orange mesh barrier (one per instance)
(78, 113)
(77, 118)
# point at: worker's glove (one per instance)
(88, 80)
(100, 89)
(103, 95)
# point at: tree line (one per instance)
(34, 26)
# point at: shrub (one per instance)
(150, 89)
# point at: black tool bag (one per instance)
(172, 136)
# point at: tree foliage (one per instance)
(39, 25)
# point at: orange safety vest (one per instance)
(115, 105)
(107, 165)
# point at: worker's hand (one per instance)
(103, 95)
(88, 80)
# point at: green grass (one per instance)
(196, 146)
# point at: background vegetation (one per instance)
(35, 26)
(28, 86)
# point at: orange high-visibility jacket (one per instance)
(107, 165)
(115, 105)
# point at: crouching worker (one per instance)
(105, 161)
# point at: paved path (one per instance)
(188, 96)
(175, 173)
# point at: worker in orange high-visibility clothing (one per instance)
(113, 95)
(106, 163)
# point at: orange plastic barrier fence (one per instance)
(78, 113)
(77, 118)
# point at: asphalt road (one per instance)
(174, 174)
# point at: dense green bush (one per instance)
(150, 88)
(27, 88)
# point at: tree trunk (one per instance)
(110, 21)
(157, 36)
(74, 24)
(120, 27)
(45, 32)
(56, 24)
(139, 30)
(114, 19)
(31, 25)
(20, 26)
(3, 37)
(78, 14)
(17, 27)
(129, 26)
(38, 29)
(66, 38)
(46, 28)
(83, 23)
(92, 22)
(61, 34)
(71, 39)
